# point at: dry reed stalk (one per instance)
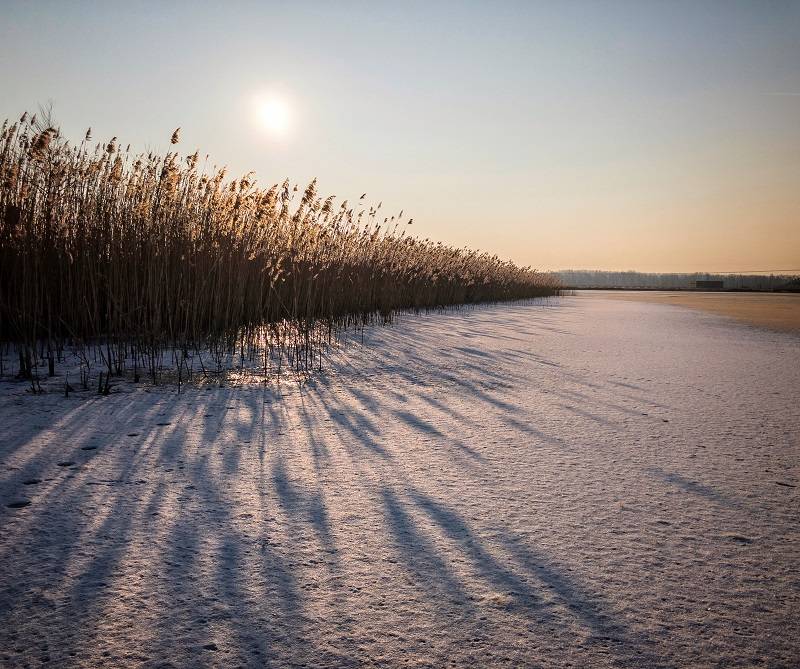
(133, 256)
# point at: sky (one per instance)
(655, 136)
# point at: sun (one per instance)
(273, 115)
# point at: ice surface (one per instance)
(584, 480)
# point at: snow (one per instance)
(581, 481)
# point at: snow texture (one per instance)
(579, 482)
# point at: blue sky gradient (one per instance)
(659, 136)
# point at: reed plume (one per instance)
(138, 257)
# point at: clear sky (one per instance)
(658, 136)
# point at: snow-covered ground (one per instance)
(582, 482)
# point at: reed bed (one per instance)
(143, 262)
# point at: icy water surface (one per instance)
(588, 481)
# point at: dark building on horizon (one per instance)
(709, 284)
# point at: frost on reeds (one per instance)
(131, 259)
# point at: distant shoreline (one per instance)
(686, 290)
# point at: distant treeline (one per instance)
(581, 278)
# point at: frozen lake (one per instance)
(587, 481)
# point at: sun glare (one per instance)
(274, 115)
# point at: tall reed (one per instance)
(141, 256)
